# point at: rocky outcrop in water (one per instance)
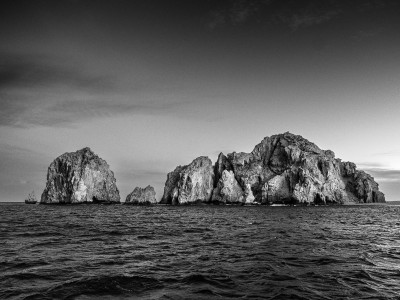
(80, 177)
(283, 168)
(142, 196)
(190, 184)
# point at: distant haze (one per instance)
(149, 85)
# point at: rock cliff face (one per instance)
(228, 189)
(142, 196)
(79, 177)
(190, 184)
(283, 168)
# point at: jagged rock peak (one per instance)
(190, 184)
(86, 149)
(288, 139)
(221, 164)
(78, 177)
(142, 196)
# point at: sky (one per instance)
(149, 85)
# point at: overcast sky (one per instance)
(149, 85)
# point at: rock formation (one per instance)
(171, 187)
(228, 189)
(142, 196)
(80, 177)
(190, 184)
(283, 168)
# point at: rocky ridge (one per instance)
(190, 184)
(80, 177)
(284, 168)
(142, 196)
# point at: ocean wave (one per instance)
(100, 286)
(90, 252)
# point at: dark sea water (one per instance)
(203, 252)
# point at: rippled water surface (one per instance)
(199, 252)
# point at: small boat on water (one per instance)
(31, 199)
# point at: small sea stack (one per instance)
(142, 196)
(80, 177)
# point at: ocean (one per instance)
(199, 252)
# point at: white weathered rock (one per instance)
(79, 177)
(228, 189)
(190, 184)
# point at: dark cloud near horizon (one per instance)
(44, 91)
(369, 165)
(38, 71)
(22, 113)
(383, 175)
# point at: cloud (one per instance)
(304, 14)
(380, 172)
(234, 12)
(388, 153)
(384, 175)
(242, 10)
(41, 91)
(293, 13)
(26, 111)
(306, 18)
(367, 5)
(34, 71)
(369, 165)
(215, 19)
(366, 33)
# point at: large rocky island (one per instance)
(80, 177)
(282, 169)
